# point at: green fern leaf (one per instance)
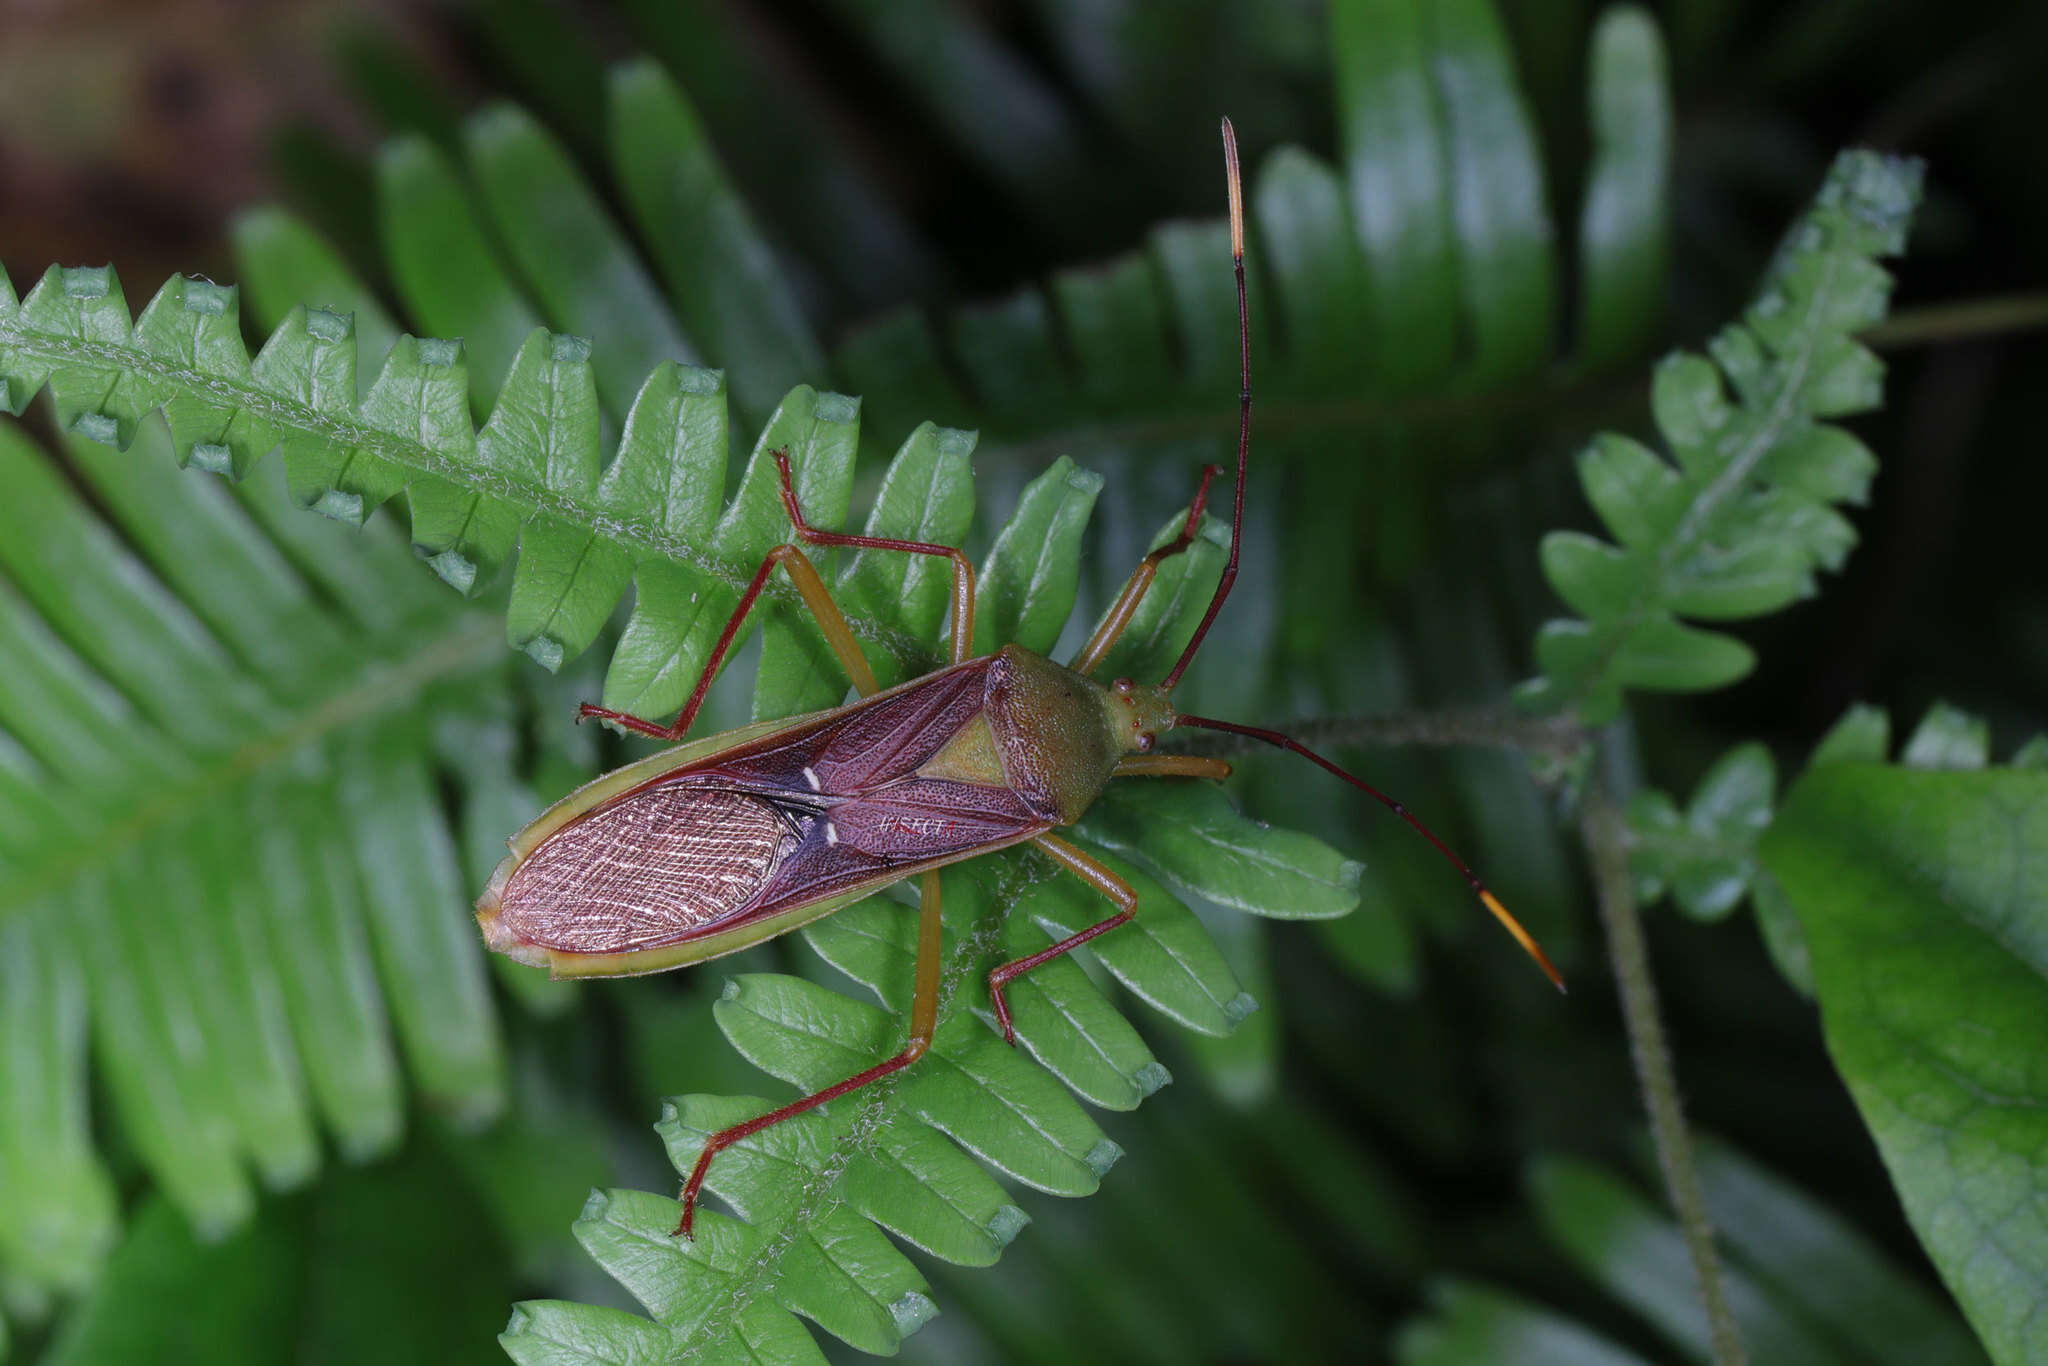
(304, 1282)
(532, 474)
(669, 175)
(208, 762)
(1202, 844)
(1741, 524)
(1155, 353)
(1423, 264)
(878, 1155)
(568, 250)
(1706, 856)
(1027, 586)
(1948, 738)
(1623, 229)
(441, 258)
(1170, 964)
(815, 1182)
(1471, 1325)
(1833, 1299)
(1803, 1283)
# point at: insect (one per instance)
(735, 838)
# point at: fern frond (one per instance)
(1804, 1282)
(530, 476)
(809, 1190)
(1471, 1324)
(1134, 356)
(212, 740)
(1742, 523)
(543, 424)
(1706, 856)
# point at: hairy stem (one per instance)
(1606, 843)
(1557, 737)
(1964, 320)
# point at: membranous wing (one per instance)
(657, 866)
(853, 799)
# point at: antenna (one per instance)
(1244, 406)
(1274, 737)
(1486, 898)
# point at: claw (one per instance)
(1002, 1009)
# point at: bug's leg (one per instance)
(1170, 766)
(963, 572)
(831, 621)
(1096, 876)
(816, 596)
(924, 1019)
(1120, 612)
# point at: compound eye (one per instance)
(1143, 744)
(1123, 686)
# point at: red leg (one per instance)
(725, 1138)
(963, 572)
(1125, 607)
(924, 1022)
(1096, 876)
(812, 587)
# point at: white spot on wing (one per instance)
(812, 778)
(831, 835)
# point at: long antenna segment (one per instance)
(1274, 737)
(1244, 407)
(1486, 898)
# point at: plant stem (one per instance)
(1482, 727)
(1963, 321)
(1606, 844)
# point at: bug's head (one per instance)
(1143, 714)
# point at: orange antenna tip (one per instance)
(1286, 742)
(1236, 191)
(1522, 937)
